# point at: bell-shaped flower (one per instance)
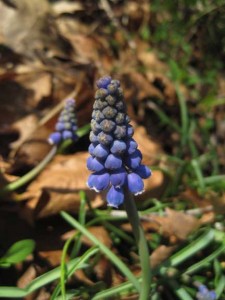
(115, 196)
(101, 151)
(118, 147)
(118, 177)
(98, 181)
(93, 164)
(113, 162)
(135, 184)
(133, 160)
(143, 171)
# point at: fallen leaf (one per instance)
(174, 225)
(101, 234)
(160, 254)
(30, 274)
(57, 187)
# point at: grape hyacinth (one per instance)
(204, 294)
(66, 125)
(114, 159)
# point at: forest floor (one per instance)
(169, 59)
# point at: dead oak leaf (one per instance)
(175, 224)
(57, 187)
(160, 254)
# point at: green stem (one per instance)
(30, 175)
(138, 231)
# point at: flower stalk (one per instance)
(142, 245)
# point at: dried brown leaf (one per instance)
(58, 187)
(160, 254)
(175, 225)
(30, 274)
(101, 234)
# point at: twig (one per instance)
(147, 217)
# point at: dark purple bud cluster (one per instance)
(115, 161)
(204, 294)
(66, 125)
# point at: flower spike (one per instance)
(66, 125)
(114, 160)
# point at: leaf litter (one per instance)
(52, 49)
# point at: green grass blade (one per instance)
(220, 287)
(181, 293)
(79, 261)
(192, 269)
(12, 292)
(114, 259)
(117, 290)
(192, 248)
(83, 130)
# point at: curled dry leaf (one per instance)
(57, 187)
(25, 126)
(30, 274)
(160, 254)
(32, 151)
(29, 29)
(102, 235)
(174, 225)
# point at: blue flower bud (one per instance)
(115, 196)
(93, 138)
(101, 151)
(118, 147)
(120, 132)
(143, 171)
(93, 164)
(109, 112)
(95, 127)
(112, 88)
(113, 162)
(133, 160)
(115, 82)
(130, 130)
(91, 149)
(131, 146)
(205, 294)
(135, 184)
(59, 126)
(98, 181)
(120, 106)
(66, 135)
(107, 125)
(98, 116)
(120, 118)
(105, 139)
(103, 82)
(55, 138)
(118, 177)
(111, 100)
(101, 93)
